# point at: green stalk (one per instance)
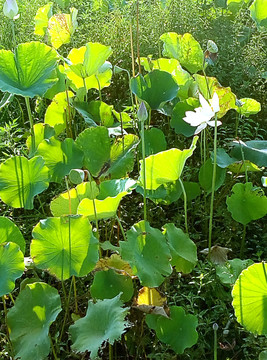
(66, 312)
(53, 348)
(84, 85)
(213, 182)
(144, 164)
(31, 122)
(122, 230)
(185, 205)
(215, 329)
(13, 33)
(99, 88)
(243, 241)
(110, 352)
(75, 294)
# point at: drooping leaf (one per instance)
(101, 112)
(28, 71)
(41, 132)
(9, 232)
(258, 12)
(180, 126)
(223, 160)
(148, 254)
(21, 180)
(178, 331)
(104, 321)
(185, 49)
(165, 166)
(114, 262)
(156, 88)
(247, 203)
(43, 14)
(253, 150)
(60, 157)
(243, 166)
(35, 309)
(249, 107)
(183, 249)
(11, 266)
(64, 246)
(150, 296)
(250, 293)
(108, 284)
(229, 271)
(206, 173)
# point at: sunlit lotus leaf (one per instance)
(57, 112)
(107, 201)
(60, 86)
(103, 322)
(41, 132)
(67, 202)
(249, 107)
(243, 166)
(206, 173)
(229, 271)
(165, 166)
(150, 296)
(155, 88)
(114, 262)
(185, 49)
(177, 122)
(9, 232)
(61, 27)
(29, 320)
(147, 253)
(235, 5)
(250, 298)
(108, 284)
(60, 157)
(21, 179)
(11, 266)
(178, 331)
(29, 71)
(254, 151)
(43, 14)
(258, 12)
(226, 97)
(172, 66)
(247, 203)
(183, 249)
(101, 112)
(64, 246)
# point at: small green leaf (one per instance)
(9, 232)
(205, 176)
(229, 271)
(249, 107)
(180, 126)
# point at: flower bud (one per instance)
(215, 326)
(10, 9)
(142, 112)
(212, 47)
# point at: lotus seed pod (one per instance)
(212, 47)
(10, 9)
(76, 176)
(142, 112)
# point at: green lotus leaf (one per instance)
(263, 355)
(180, 126)
(28, 71)
(226, 97)
(258, 12)
(60, 85)
(247, 203)
(192, 190)
(35, 309)
(108, 284)
(60, 157)
(21, 179)
(9, 232)
(103, 322)
(254, 151)
(235, 5)
(67, 202)
(206, 173)
(154, 141)
(172, 66)
(229, 271)
(43, 14)
(243, 166)
(11, 266)
(57, 112)
(183, 250)
(147, 253)
(101, 113)
(156, 88)
(178, 331)
(64, 246)
(165, 166)
(63, 3)
(107, 201)
(41, 132)
(250, 298)
(185, 49)
(249, 107)
(223, 160)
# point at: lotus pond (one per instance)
(133, 179)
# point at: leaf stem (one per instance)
(243, 242)
(185, 205)
(122, 230)
(31, 122)
(144, 165)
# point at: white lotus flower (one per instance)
(11, 9)
(202, 116)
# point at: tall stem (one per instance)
(137, 36)
(185, 205)
(31, 122)
(213, 182)
(144, 164)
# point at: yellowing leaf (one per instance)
(114, 262)
(150, 296)
(41, 19)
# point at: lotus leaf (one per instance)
(154, 141)
(254, 151)
(250, 293)
(43, 14)
(177, 122)
(263, 355)
(235, 5)
(29, 71)
(35, 309)
(64, 246)
(101, 113)
(206, 173)
(249, 107)
(104, 321)
(9, 232)
(63, 3)
(150, 296)
(41, 132)
(229, 271)
(258, 12)
(11, 266)
(21, 179)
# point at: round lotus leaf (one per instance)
(9, 232)
(250, 298)
(28, 71)
(249, 107)
(11, 266)
(206, 174)
(108, 284)
(147, 253)
(258, 12)
(64, 246)
(104, 321)
(21, 179)
(154, 141)
(178, 331)
(35, 309)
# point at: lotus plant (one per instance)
(11, 9)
